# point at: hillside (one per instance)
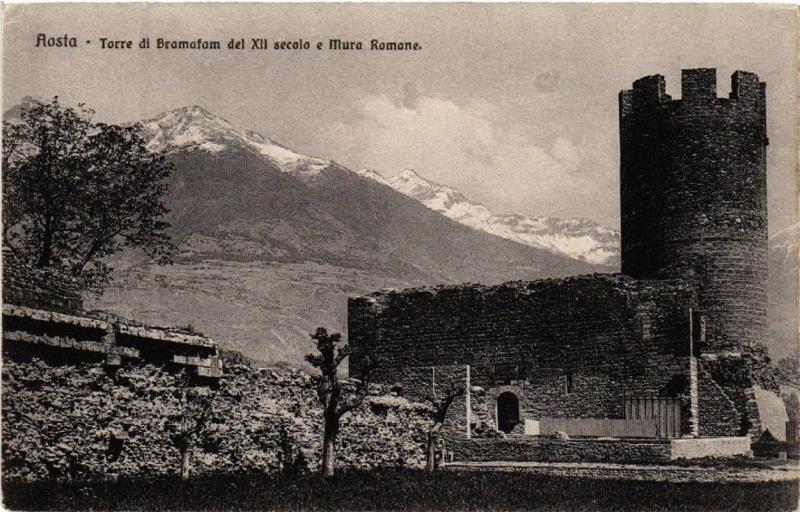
(577, 238)
(270, 247)
(273, 242)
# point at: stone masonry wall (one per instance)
(427, 384)
(572, 348)
(540, 449)
(736, 375)
(694, 196)
(88, 421)
(718, 415)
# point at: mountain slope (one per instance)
(231, 205)
(271, 247)
(576, 238)
(272, 242)
(194, 128)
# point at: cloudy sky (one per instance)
(514, 105)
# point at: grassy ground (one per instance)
(400, 490)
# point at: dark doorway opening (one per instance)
(507, 412)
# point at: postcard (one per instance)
(422, 256)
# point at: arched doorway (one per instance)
(507, 411)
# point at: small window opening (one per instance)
(644, 326)
(505, 373)
(569, 385)
(698, 332)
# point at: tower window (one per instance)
(644, 327)
(698, 331)
(522, 371)
(569, 386)
(505, 373)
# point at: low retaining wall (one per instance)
(654, 473)
(710, 447)
(542, 449)
(557, 450)
(600, 427)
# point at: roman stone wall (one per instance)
(538, 449)
(573, 347)
(89, 421)
(428, 385)
(693, 196)
(76, 337)
(736, 374)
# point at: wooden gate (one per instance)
(665, 411)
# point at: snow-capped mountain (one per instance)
(194, 128)
(577, 238)
(271, 243)
(277, 241)
(374, 175)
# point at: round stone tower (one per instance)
(694, 197)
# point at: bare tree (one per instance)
(196, 405)
(329, 390)
(440, 399)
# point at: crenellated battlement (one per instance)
(745, 86)
(693, 195)
(698, 88)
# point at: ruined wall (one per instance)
(428, 385)
(60, 337)
(607, 335)
(736, 374)
(717, 415)
(693, 196)
(555, 450)
(61, 422)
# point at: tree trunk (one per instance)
(430, 457)
(328, 456)
(186, 463)
(46, 253)
(329, 445)
(287, 457)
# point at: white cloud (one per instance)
(467, 147)
(566, 152)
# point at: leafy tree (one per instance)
(441, 396)
(329, 390)
(76, 192)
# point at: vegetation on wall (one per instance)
(88, 422)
